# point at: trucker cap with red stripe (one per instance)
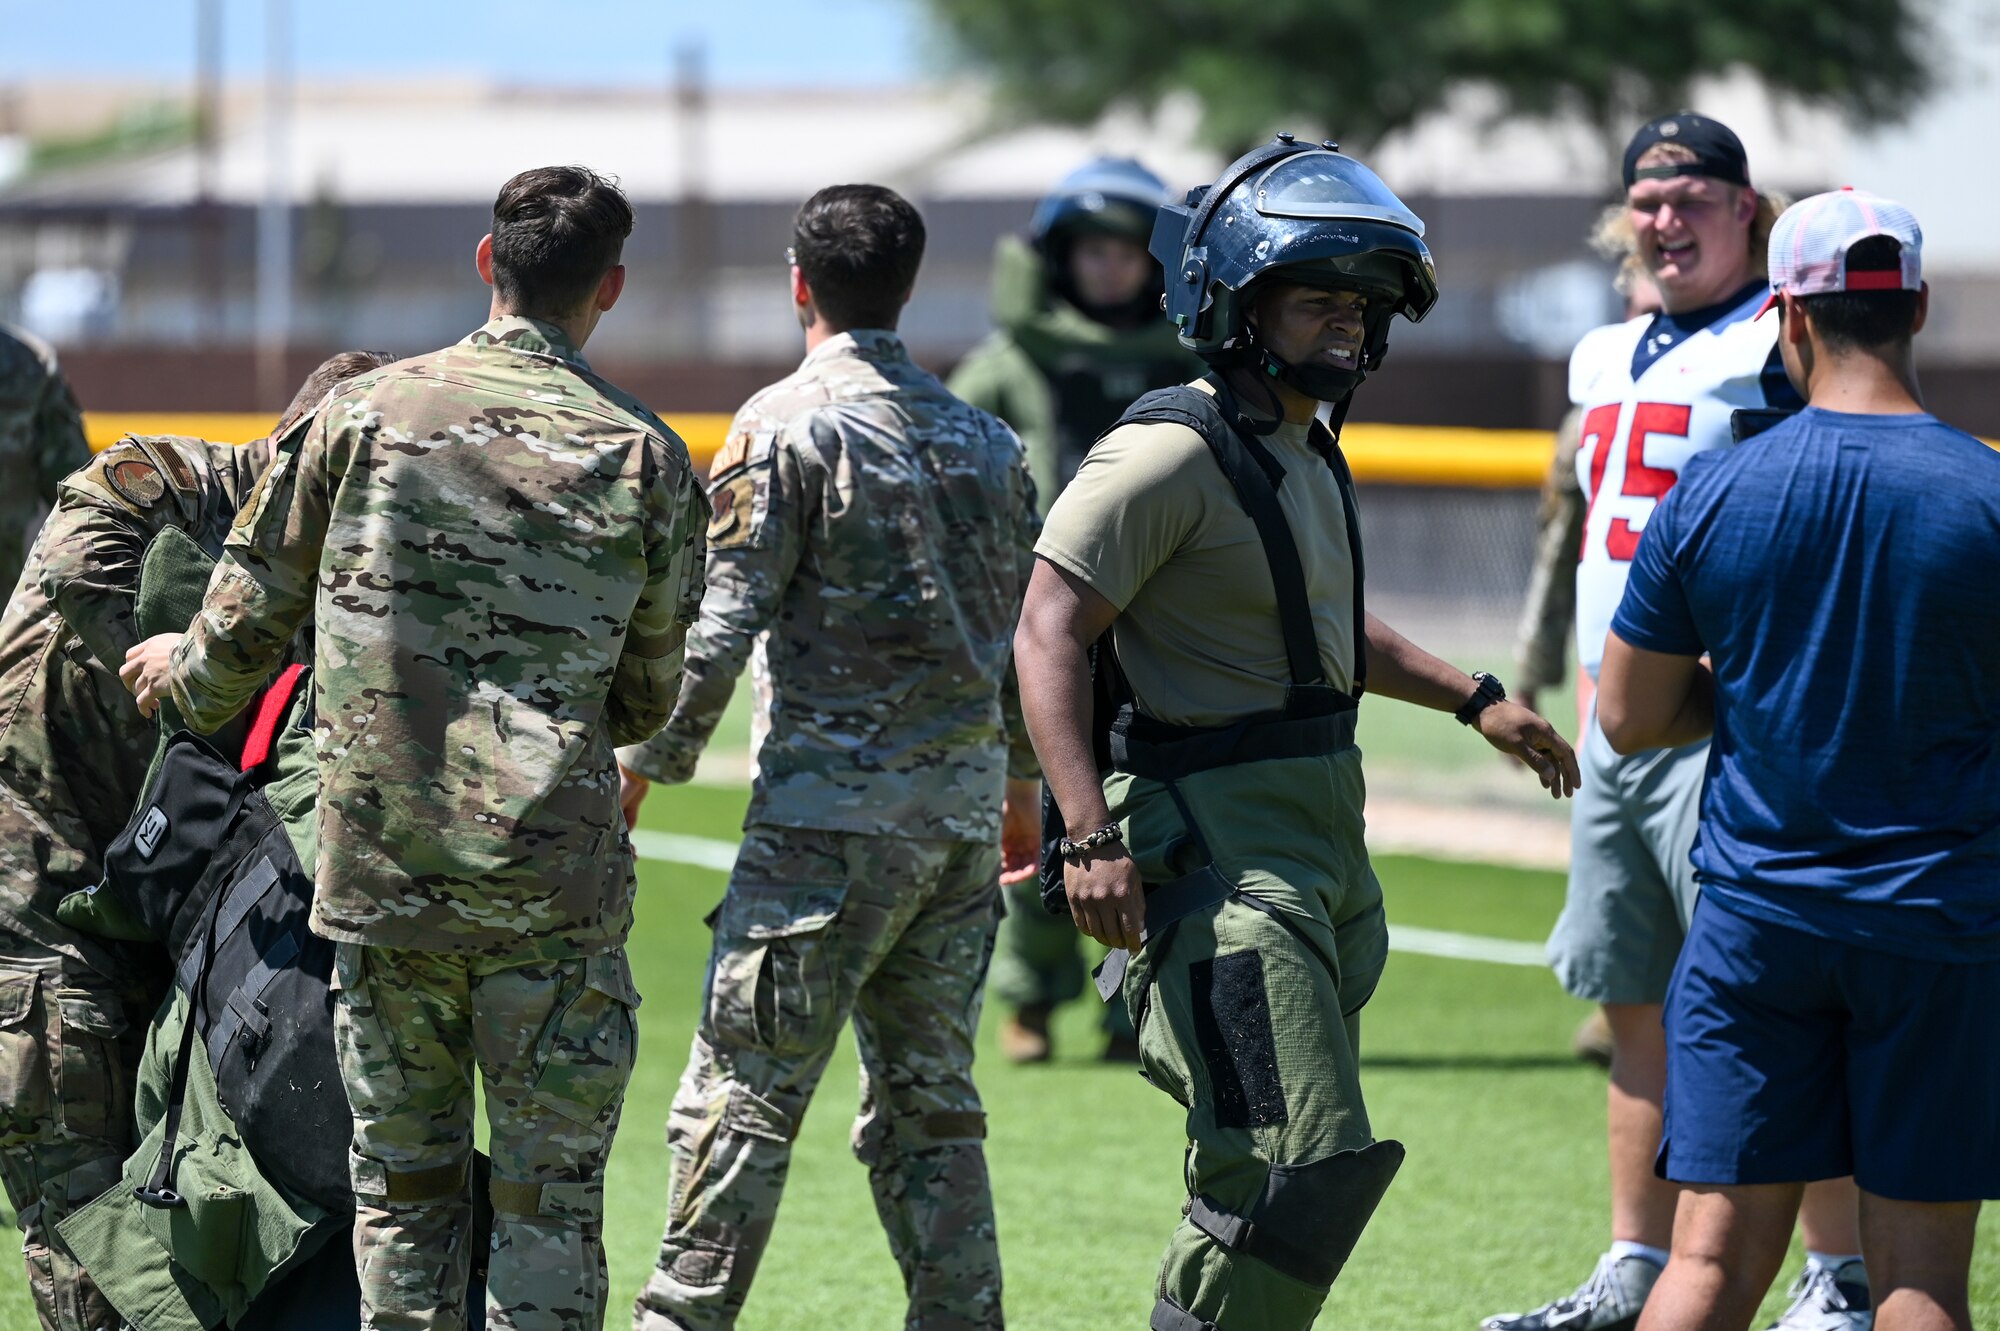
(1810, 243)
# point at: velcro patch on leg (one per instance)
(955, 1125)
(1232, 1024)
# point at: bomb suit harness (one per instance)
(1316, 718)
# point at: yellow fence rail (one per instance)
(1384, 454)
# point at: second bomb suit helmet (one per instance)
(1296, 212)
(1110, 196)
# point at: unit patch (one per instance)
(730, 501)
(138, 480)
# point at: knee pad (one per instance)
(1309, 1217)
(1170, 1316)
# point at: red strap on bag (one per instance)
(272, 705)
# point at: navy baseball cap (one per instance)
(1718, 152)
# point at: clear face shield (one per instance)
(1328, 186)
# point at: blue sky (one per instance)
(569, 42)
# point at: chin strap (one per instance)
(1338, 416)
(1233, 410)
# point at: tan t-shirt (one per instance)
(1154, 527)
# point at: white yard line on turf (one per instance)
(1466, 947)
(708, 853)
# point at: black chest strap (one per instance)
(1256, 476)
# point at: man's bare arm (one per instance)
(1398, 668)
(1652, 700)
(1060, 619)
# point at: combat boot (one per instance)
(1024, 1037)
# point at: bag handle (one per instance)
(272, 705)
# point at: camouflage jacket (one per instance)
(73, 747)
(1543, 643)
(501, 553)
(41, 441)
(882, 531)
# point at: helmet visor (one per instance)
(1331, 186)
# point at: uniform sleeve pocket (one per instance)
(776, 985)
(587, 1049)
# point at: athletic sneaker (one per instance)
(1609, 1301)
(1829, 1299)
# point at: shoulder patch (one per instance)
(735, 451)
(732, 508)
(137, 480)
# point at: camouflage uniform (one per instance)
(73, 752)
(1541, 654)
(1059, 378)
(501, 554)
(881, 530)
(41, 441)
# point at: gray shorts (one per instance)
(1631, 886)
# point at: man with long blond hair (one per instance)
(1655, 392)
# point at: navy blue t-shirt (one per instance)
(1843, 573)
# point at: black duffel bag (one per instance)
(207, 865)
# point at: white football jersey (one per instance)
(1638, 432)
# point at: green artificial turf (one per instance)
(1501, 1205)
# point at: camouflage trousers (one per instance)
(553, 1044)
(70, 1041)
(817, 927)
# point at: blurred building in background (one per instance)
(128, 236)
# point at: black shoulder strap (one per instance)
(158, 1190)
(1326, 439)
(1256, 475)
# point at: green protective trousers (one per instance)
(1248, 1013)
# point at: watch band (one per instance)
(1489, 691)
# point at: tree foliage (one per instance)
(1361, 69)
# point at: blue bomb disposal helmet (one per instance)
(1111, 194)
(1293, 212)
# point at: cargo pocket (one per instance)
(586, 1053)
(93, 1091)
(24, 1071)
(776, 983)
(205, 1234)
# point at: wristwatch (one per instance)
(1490, 691)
